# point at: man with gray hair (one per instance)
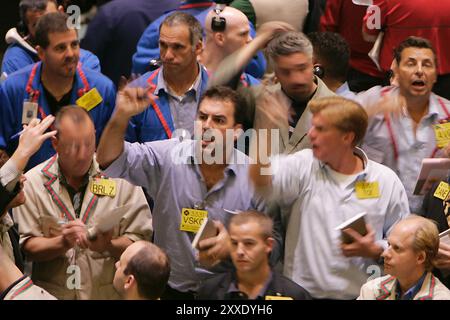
(291, 55)
(178, 84)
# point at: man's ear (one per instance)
(421, 257)
(55, 143)
(129, 282)
(40, 52)
(269, 244)
(349, 137)
(199, 47)
(61, 9)
(219, 38)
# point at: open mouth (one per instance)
(418, 83)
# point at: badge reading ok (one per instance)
(367, 190)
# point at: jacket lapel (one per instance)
(387, 289)
(58, 194)
(426, 292)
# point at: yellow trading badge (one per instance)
(442, 191)
(367, 190)
(103, 187)
(442, 134)
(191, 219)
(277, 298)
(90, 99)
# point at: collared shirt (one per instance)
(344, 91)
(318, 204)
(76, 196)
(412, 148)
(411, 292)
(182, 108)
(234, 293)
(166, 170)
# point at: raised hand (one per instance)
(132, 100)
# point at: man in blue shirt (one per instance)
(189, 180)
(178, 84)
(21, 51)
(147, 47)
(115, 31)
(43, 88)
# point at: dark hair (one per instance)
(333, 52)
(227, 94)
(50, 23)
(150, 266)
(195, 28)
(34, 5)
(413, 42)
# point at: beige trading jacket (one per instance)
(47, 197)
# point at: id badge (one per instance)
(29, 111)
(191, 219)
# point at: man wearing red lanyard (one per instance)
(178, 84)
(58, 80)
(148, 50)
(400, 141)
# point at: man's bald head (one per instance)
(236, 33)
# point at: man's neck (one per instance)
(332, 84)
(56, 85)
(252, 282)
(181, 82)
(410, 281)
(417, 107)
(348, 163)
(211, 57)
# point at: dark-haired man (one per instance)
(44, 87)
(401, 139)
(188, 180)
(21, 51)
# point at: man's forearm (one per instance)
(112, 141)
(44, 249)
(118, 246)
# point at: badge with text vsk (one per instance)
(191, 219)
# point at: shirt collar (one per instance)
(233, 289)
(360, 153)
(161, 83)
(411, 292)
(343, 88)
(235, 158)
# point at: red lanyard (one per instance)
(34, 93)
(156, 107)
(195, 5)
(387, 119)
